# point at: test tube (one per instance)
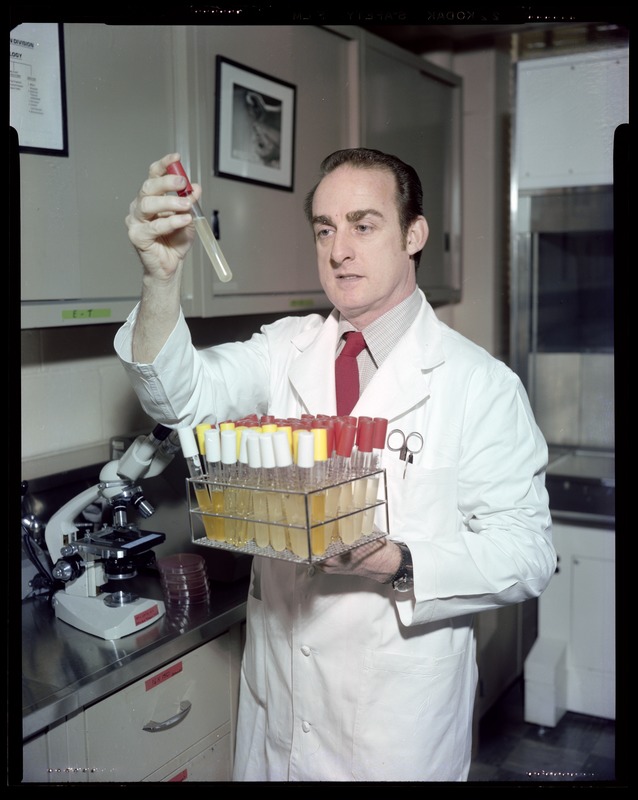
(276, 532)
(260, 501)
(212, 448)
(190, 451)
(202, 226)
(228, 442)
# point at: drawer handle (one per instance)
(154, 727)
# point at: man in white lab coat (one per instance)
(363, 669)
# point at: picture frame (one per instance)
(254, 126)
(37, 84)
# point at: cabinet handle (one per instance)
(154, 727)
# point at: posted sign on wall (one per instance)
(37, 87)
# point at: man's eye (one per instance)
(363, 227)
(322, 233)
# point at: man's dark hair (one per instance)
(408, 184)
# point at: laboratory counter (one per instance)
(65, 669)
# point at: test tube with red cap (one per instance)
(379, 430)
(202, 226)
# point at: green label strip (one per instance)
(87, 313)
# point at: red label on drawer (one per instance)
(181, 776)
(144, 616)
(162, 676)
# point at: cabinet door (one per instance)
(572, 98)
(58, 755)
(264, 234)
(592, 651)
(120, 746)
(74, 246)
(413, 110)
(578, 608)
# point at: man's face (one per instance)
(364, 266)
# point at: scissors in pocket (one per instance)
(406, 446)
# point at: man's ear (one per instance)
(417, 235)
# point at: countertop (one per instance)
(65, 669)
(582, 486)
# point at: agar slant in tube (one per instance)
(202, 226)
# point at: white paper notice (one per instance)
(35, 84)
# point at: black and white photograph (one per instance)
(255, 123)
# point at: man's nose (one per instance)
(341, 249)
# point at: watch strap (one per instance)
(403, 578)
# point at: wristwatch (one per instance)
(403, 578)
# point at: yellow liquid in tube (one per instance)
(243, 511)
(325, 506)
(208, 240)
(276, 533)
(372, 489)
(202, 226)
(214, 526)
(295, 511)
(347, 525)
(230, 509)
(260, 511)
(318, 514)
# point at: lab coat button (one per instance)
(305, 650)
(305, 726)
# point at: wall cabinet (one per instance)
(77, 265)
(567, 109)
(175, 724)
(264, 234)
(413, 109)
(137, 92)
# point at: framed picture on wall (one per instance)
(254, 126)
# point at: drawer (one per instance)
(118, 746)
(209, 761)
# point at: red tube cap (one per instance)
(177, 169)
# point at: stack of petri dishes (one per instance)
(184, 579)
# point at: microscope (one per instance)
(90, 559)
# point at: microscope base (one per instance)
(92, 615)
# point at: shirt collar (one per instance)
(382, 334)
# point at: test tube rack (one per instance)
(305, 525)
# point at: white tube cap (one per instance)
(254, 452)
(188, 442)
(212, 446)
(283, 454)
(229, 446)
(306, 450)
(267, 450)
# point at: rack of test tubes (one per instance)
(297, 490)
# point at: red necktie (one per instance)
(347, 373)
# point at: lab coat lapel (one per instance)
(402, 383)
(312, 372)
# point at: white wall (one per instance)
(75, 395)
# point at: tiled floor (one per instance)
(579, 749)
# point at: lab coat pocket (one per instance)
(423, 503)
(416, 699)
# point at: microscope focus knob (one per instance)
(67, 569)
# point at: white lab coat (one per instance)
(342, 678)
